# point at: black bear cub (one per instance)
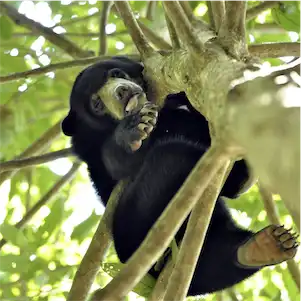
(120, 134)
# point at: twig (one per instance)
(193, 240)
(19, 19)
(96, 252)
(183, 26)
(106, 5)
(36, 160)
(134, 30)
(37, 147)
(163, 231)
(232, 30)
(175, 42)
(218, 13)
(75, 20)
(151, 5)
(273, 216)
(256, 10)
(275, 50)
(46, 198)
(59, 66)
(154, 38)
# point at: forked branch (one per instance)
(133, 28)
(232, 30)
(163, 231)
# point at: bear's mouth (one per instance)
(134, 103)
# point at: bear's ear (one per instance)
(69, 124)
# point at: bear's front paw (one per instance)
(271, 245)
(137, 127)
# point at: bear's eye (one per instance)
(96, 105)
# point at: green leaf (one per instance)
(52, 222)
(13, 235)
(83, 229)
(287, 14)
(6, 27)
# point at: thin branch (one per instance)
(46, 198)
(183, 26)
(19, 19)
(36, 160)
(96, 252)
(274, 50)
(175, 42)
(35, 148)
(163, 231)
(150, 9)
(106, 6)
(154, 38)
(73, 34)
(59, 66)
(193, 240)
(256, 10)
(134, 30)
(273, 216)
(218, 13)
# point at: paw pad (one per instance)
(273, 244)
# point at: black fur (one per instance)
(156, 171)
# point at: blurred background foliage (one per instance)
(39, 261)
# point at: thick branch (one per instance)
(96, 252)
(175, 42)
(273, 216)
(36, 160)
(59, 66)
(265, 108)
(256, 10)
(183, 26)
(193, 240)
(106, 5)
(275, 50)
(37, 147)
(66, 45)
(46, 198)
(162, 233)
(133, 28)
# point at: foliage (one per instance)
(40, 260)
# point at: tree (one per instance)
(252, 111)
